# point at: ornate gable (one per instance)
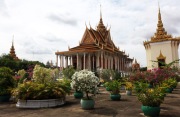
(87, 37)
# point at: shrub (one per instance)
(6, 80)
(85, 81)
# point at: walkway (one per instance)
(129, 106)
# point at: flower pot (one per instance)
(168, 90)
(150, 111)
(115, 97)
(87, 104)
(4, 98)
(78, 95)
(129, 92)
(108, 89)
(150, 86)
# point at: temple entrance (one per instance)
(161, 63)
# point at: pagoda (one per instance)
(12, 52)
(135, 66)
(96, 50)
(161, 47)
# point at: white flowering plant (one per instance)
(85, 81)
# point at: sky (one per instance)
(42, 27)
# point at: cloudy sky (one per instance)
(42, 27)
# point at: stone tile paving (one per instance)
(129, 106)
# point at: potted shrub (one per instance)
(42, 91)
(107, 86)
(6, 83)
(151, 98)
(169, 84)
(87, 82)
(115, 86)
(129, 88)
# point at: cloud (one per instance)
(3, 8)
(52, 38)
(66, 19)
(37, 49)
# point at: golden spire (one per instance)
(100, 12)
(101, 26)
(12, 50)
(160, 34)
(135, 61)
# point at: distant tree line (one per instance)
(16, 65)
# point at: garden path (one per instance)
(129, 106)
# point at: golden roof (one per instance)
(161, 34)
(161, 56)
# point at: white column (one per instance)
(89, 61)
(66, 57)
(102, 60)
(97, 60)
(77, 61)
(121, 63)
(93, 62)
(84, 60)
(62, 61)
(111, 62)
(60, 65)
(70, 60)
(56, 60)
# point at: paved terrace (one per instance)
(129, 106)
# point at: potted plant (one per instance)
(6, 83)
(151, 98)
(107, 86)
(115, 86)
(42, 91)
(169, 84)
(87, 82)
(129, 88)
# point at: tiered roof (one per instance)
(12, 52)
(95, 40)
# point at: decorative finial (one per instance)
(89, 24)
(135, 61)
(13, 41)
(159, 14)
(85, 25)
(100, 12)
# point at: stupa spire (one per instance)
(161, 33)
(101, 26)
(12, 50)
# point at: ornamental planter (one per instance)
(150, 111)
(108, 89)
(115, 97)
(40, 103)
(87, 104)
(150, 86)
(4, 98)
(78, 95)
(168, 90)
(129, 92)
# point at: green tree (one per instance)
(68, 72)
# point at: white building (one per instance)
(161, 47)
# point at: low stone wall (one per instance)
(40, 103)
